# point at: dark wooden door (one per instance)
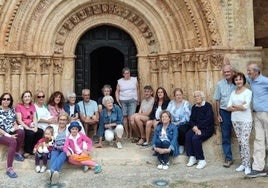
(101, 54)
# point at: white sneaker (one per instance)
(192, 161)
(181, 149)
(247, 170)
(201, 164)
(160, 166)
(119, 145)
(55, 178)
(37, 169)
(43, 169)
(240, 168)
(165, 167)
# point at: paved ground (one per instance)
(133, 166)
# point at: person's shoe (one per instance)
(145, 144)
(97, 169)
(181, 149)
(165, 167)
(240, 168)
(192, 161)
(227, 164)
(85, 168)
(160, 166)
(10, 172)
(55, 178)
(43, 169)
(119, 145)
(201, 164)
(247, 170)
(256, 173)
(19, 157)
(48, 174)
(37, 169)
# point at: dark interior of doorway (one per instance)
(106, 66)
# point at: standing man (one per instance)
(89, 112)
(259, 86)
(222, 94)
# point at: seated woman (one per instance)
(44, 118)
(26, 117)
(55, 104)
(165, 140)
(202, 128)
(180, 110)
(71, 107)
(111, 120)
(160, 103)
(58, 156)
(10, 134)
(138, 120)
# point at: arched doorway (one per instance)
(101, 53)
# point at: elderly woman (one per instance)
(58, 156)
(106, 91)
(202, 128)
(26, 117)
(165, 140)
(71, 107)
(127, 97)
(10, 134)
(44, 118)
(180, 110)
(111, 120)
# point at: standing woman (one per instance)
(180, 110)
(44, 118)
(58, 156)
(26, 117)
(160, 103)
(239, 105)
(106, 91)
(55, 104)
(127, 97)
(165, 140)
(10, 135)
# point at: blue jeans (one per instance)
(226, 129)
(163, 158)
(57, 159)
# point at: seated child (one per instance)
(77, 148)
(42, 149)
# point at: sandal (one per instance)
(140, 142)
(145, 144)
(26, 155)
(134, 140)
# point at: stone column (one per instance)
(67, 78)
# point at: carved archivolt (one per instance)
(102, 9)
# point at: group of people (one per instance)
(233, 109)
(178, 125)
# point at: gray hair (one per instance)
(201, 93)
(107, 99)
(70, 94)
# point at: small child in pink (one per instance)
(77, 148)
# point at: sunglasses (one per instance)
(39, 97)
(5, 99)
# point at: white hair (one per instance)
(201, 93)
(107, 99)
(70, 94)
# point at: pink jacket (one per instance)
(69, 143)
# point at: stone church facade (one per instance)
(179, 43)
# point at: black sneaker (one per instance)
(256, 173)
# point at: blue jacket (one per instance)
(67, 108)
(172, 134)
(116, 116)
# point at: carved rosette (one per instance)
(100, 9)
(45, 63)
(216, 61)
(57, 66)
(15, 65)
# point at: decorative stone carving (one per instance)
(163, 63)
(16, 65)
(30, 66)
(45, 63)
(99, 9)
(189, 61)
(57, 66)
(153, 63)
(3, 66)
(202, 64)
(176, 61)
(216, 61)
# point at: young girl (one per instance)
(77, 147)
(41, 152)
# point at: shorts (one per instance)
(128, 107)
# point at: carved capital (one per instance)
(57, 66)
(30, 66)
(176, 61)
(216, 61)
(153, 63)
(163, 63)
(3, 66)
(15, 65)
(45, 63)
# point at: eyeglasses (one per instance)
(63, 119)
(5, 99)
(39, 97)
